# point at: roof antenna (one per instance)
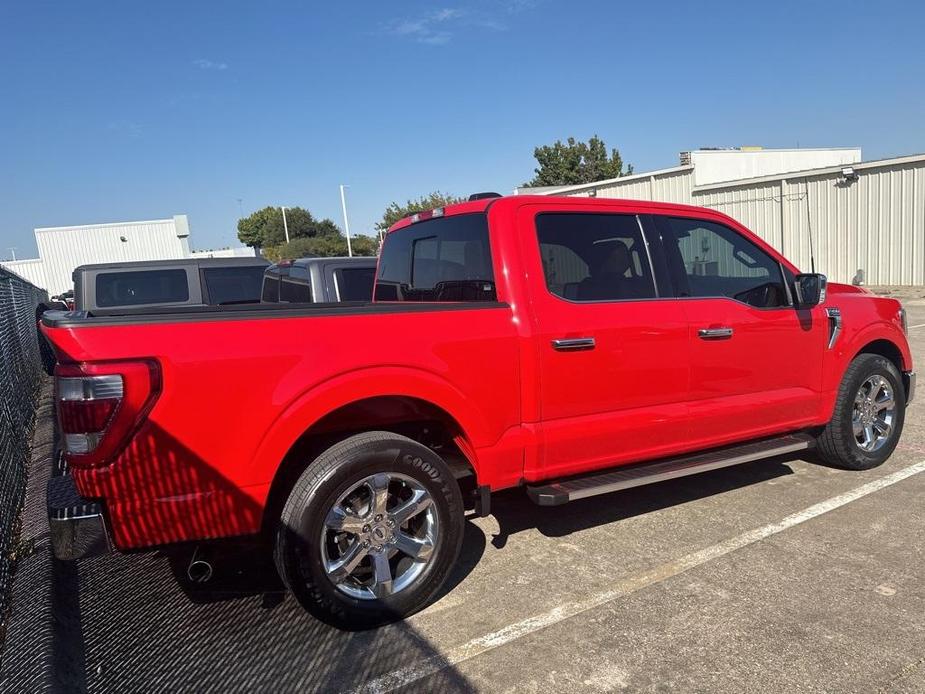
(809, 227)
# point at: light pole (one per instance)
(13, 251)
(343, 204)
(285, 224)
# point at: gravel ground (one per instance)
(913, 295)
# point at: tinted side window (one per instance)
(706, 259)
(141, 287)
(443, 259)
(594, 257)
(295, 289)
(355, 283)
(270, 292)
(232, 285)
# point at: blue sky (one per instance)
(140, 110)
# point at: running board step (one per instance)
(563, 491)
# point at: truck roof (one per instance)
(482, 205)
(308, 263)
(183, 262)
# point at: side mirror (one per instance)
(810, 289)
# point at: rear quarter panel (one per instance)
(236, 394)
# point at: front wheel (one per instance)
(370, 530)
(869, 412)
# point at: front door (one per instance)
(612, 355)
(755, 359)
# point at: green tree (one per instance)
(394, 212)
(265, 227)
(253, 230)
(364, 245)
(322, 246)
(573, 162)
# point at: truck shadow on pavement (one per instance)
(145, 629)
(245, 568)
(134, 621)
(515, 512)
(146, 625)
(143, 625)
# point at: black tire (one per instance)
(298, 551)
(836, 443)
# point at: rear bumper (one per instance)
(77, 526)
(909, 378)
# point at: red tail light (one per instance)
(100, 406)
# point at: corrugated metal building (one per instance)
(31, 270)
(61, 249)
(867, 216)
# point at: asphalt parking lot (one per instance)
(777, 576)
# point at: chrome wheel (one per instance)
(379, 536)
(874, 414)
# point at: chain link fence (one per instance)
(24, 356)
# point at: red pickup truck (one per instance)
(572, 346)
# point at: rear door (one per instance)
(755, 359)
(612, 353)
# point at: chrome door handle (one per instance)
(715, 333)
(573, 344)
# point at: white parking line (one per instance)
(920, 325)
(482, 644)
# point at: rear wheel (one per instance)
(868, 417)
(370, 530)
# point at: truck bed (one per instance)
(238, 385)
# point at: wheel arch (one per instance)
(405, 401)
(885, 348)
(891, 351)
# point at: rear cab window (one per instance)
(136, 288)
(441, 259)
(296, 287)
(270, 292)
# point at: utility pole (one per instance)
(343, 204)
(285, 224)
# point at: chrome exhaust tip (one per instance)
(199, 569)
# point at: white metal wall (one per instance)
(875, 223)
(31, 270)
(240, 252)
(64, 248)
(725, 165)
